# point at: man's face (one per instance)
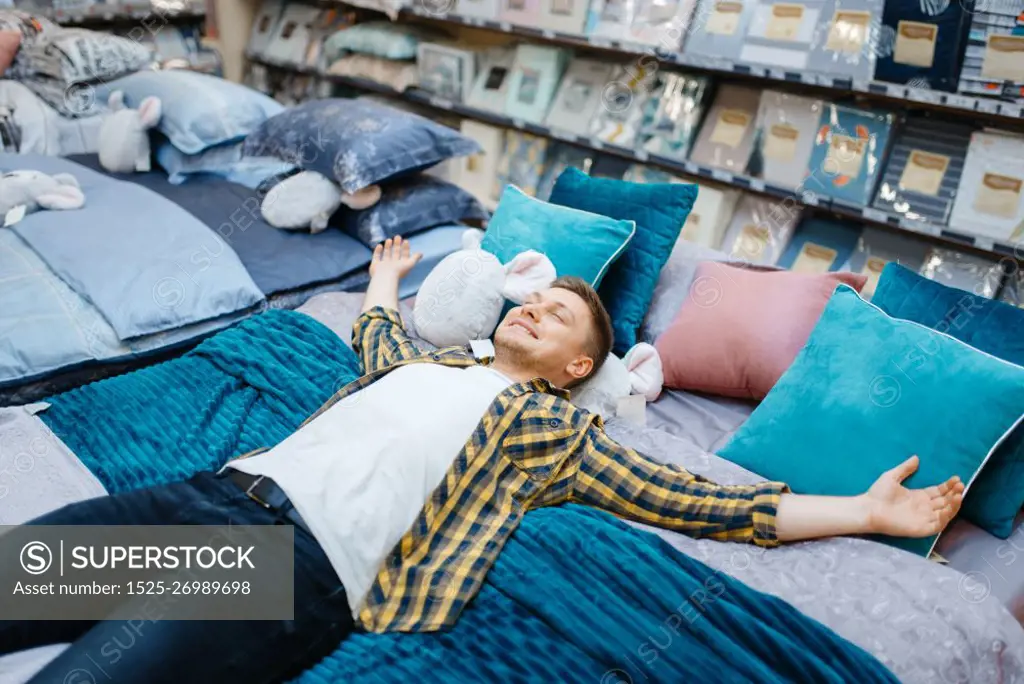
(547, 334)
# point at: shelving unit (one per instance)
(868, 215)
(94, 16)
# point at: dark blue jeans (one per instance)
(187, 652)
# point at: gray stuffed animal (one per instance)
(35, 190)
(124, 140)
(308, 199)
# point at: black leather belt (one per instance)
(268, 494)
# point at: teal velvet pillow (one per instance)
(577, 242)
(867, 392)
(660, 210)
(992, 327)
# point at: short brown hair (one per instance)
(599, 342)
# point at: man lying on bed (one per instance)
(406, 484)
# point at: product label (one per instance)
(752, 244)
(998, 195)
(691, 229)
(845, 156)
(849, 31)
(924, 172)
(784, 23)
(915, 43)
(724, 18)
(814, 259)
(780, 143)
(873, 268)
(730, 127)
(1004, 59)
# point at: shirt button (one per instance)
(435, 357)
(554, 422)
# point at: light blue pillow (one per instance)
(199, 110)
(356, 142)
(225, 161)
(867, 392)
(408, 207)
(380, 38)
(577, 242)
(659, 210)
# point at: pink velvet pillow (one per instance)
(10, 41)
(739, 329)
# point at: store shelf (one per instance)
(961, 105)
(92, 15)
(868, 215)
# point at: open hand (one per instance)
(392, 258)
(900, 512)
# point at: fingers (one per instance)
(905, 469)
(378, 251)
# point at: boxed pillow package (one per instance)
(198, 110)
(619, 118)
(820, 245)
(786, 125)
(849, 147)
(446, 71)
(877, 248)
(992, 63)
(477, 173)
(727, 135)
(407, 207)
(356, 142)
(782, 35)
(565, 16)
(578, 243)
(976, 274)
(737, 335)
(658, 212)
(521, 162)
(922, 43)
(263, 26)
(992, 327)
(672, 115)
(480, 9)
(990, 198)
(718, 30)
(521, 12)
(579, 95)
(290, 40)
(560, 157)
(535, 76)
(846, 42)
(760, 229)
(712, 214)
(844, 382)
(490, 89)
(924, 168)
(660, 24)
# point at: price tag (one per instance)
(440, 102)
(596, 144)
(961, 101)
(691, 168)
(1011, 110)
(548, 33)
(518, 123)
(984, 243)
(505, 26)
(642, 155)
(920, 227)
(757, 185)
(720, 175)
(921, 95)
(988, 106)
(872, 214)
(777, 74)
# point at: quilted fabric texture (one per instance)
(248, 387)
(899, 387)
(560, 605)
(659, 210)
(993, 327)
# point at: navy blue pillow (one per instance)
(993, 327)
(408, 207)
(356, 142)
(659, 210)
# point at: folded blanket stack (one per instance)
(246, 388)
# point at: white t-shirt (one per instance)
(360, 473)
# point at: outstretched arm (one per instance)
(886, 508)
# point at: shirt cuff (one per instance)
(763, 510)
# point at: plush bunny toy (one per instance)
(307, 200)
(35, 190)
(124, 137)
(462, 298)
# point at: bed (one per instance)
(923, 620)
(61, 310)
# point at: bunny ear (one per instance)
(646, 376)
(472, 238)
(527, 273)
(116, 100)
(62, 197)
(149, 111)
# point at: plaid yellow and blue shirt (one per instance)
(532, 448)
